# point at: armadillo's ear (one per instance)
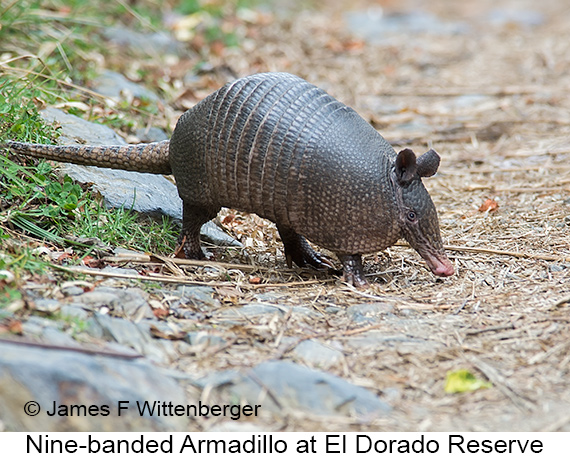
(405, 166)
(428, 163)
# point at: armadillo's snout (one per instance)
(440, 266)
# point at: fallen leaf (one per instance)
(157, 333)
(64, 257)
(160, 313)
(463, 381)
(179, 252)
(489, 205)
(10, 325)
(229, 294)
(94, 263)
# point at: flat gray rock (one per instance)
(67, 377)
(146, 44)
(131, 303)
(198, 297)
(376, 340)
(368, 313)
(142, 192)
(317, 354)
(295, 387)
(258, 310)
(114, 85)
(132, 335)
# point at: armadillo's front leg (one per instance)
(353, 270)
(298, 250)
(193, 217)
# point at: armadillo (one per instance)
(275, 145)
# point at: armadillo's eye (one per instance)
(412, 217)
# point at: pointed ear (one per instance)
(405, 166)
(428, 163)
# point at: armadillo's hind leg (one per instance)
(193, 217)
(298, 250)
(353, 270)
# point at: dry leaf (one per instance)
(13, 326)
(489, 205)
(160, 313)
(157, 333)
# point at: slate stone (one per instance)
(296, 387)
(368, 312)
(202, 297)
(74, 312)
(212, 233)
(145, 193)
(47, 331)
(253, 310)
(378, 28)
(516, 16)
(377, 340)
(131, 303)
(132, 335)
(46, 305)
(317, 354)
(151, 135)
(57, 337)
(70, 291)
(45, 375)
(114, 85)
(257, 310)
(147, 44)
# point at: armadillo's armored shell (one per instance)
(280, 147)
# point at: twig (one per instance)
(557, 425)
(481, 170)
(502, 384)
(521, 255)
(561, 302)
(331, 334)
(83, 350)
(459, 91)
(158, 278)
(179, 280)
(208, 263)
(519, 190)
(209, 353)
(495, 328)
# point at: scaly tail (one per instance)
(144, 157)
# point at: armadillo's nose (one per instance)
(440, 266)
(444, 270)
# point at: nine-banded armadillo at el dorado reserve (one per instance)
(275, 145)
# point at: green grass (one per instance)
(52, 208)
(47, 49)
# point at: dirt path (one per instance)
(487, 88)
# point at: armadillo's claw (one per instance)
(193, 217)
(298, 250)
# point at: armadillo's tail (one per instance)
(144, 157)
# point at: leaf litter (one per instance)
(492, 103)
